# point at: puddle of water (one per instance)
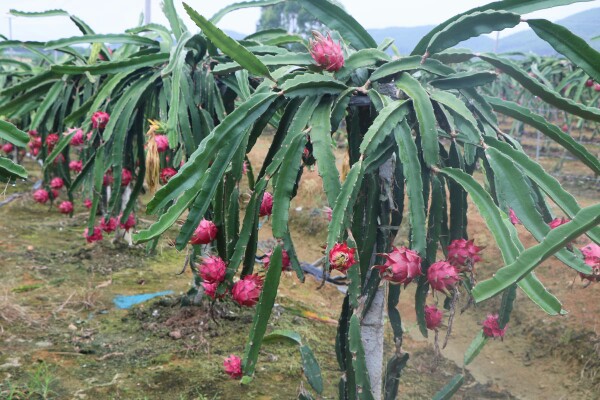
(125, 302)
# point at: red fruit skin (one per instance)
(326, 53)
(107, 180)
(591, 252)
(162, 143)
(286, 263)
(41, 196)
(126, 177)
(246, 291)
(442, 276)
(266, 205)
(401, 267)
(433, 317)
(233, 366)
(341, 257)
(8, 148)
(76, 166)
(100, 119)
(66, 207)
(589, 83)
(51, 140)
(109, 225)
(565, 128)
(129, 223)
(166, 174)
(513, 217)
(556, 222)
(57, 183)
(461, 251)
(491, 328)
(210, 289)
(597, 87)
(77, 139)
(213, 269)
(205, 233)
(87, 203)
(94, 237)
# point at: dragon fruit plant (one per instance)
(420, 128)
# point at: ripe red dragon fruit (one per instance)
(326, 53)
(76, 166)
(341, 257)
(100, 119)
(246, 291)
(402, 266)
(491, 327)
(213, 269)
(57, 183)
(33, 133)
(107, 180)
(41, 196)
(162, 143)
(556, 222)
(461, 252)
(66, 207)
(233, 366)
(166, 174)
(54, 194)
(210, 289)
(513, 217)
(442, 276)
(129, 223)
(95, 236)
(286, 263)
(591, 252)
(51, 140)
(565, 128)
(77, 139)
(126, 177)
(597, 87)
(59, 159)
(266, 205)
(8, 148)
(589, 83)
(433, 317)
(35, 143)
(108, 225)
(87, 203)
(205, 233)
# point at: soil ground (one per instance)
(61, 336)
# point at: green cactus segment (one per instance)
(311, 369)
(263, 312)
(475, 348)
(362, 59)
(289, 247)
(425, 116)
(387, 119)
(232, 221)
(363, 385)
(393, 372)
(450, 389)
(312, 85)
(529, 259)
(393, 313)
(458, 197)
(97, 182)
(462, 80)
(396, 67)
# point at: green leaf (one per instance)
(552, 131)
(463, 80)
(555, 240)
(312, 85)
(11, 133)
(471, 25)
(113, 67)
(396, 67)
(228, 45)
(425, 116)
(334, 17)
(47, 13)
(9, 169)
(122, 38)
(571, 46)
(263, 312)
(450, 389)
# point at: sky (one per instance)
(114, 16)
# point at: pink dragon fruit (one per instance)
(589, 83)
(76, 166)
(213, 269)
(41, 196)
(95, 236)
(109, 225)
(100, 119)
(326, 53)
(402, 266)
(205, 233)
(53, 194)
(87, 203)
(66, 207)
(266, 205)
(556, 222)
(77, 139)
(8, 148)
(57, 183)
(51, 140)
(341, 257)
(491, 327)
(286, 263)
(126, 177)
(513, 217)
(129, 223)
(246, 291)
(107, 179)
(162, 143)
(166, 174)
(442, 276)
(210, 289)
(597, 87)
(433, 317)
(461, 251)
(591, 252)
(233, 366)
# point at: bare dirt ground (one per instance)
(61, 337)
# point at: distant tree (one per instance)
(289, 16)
